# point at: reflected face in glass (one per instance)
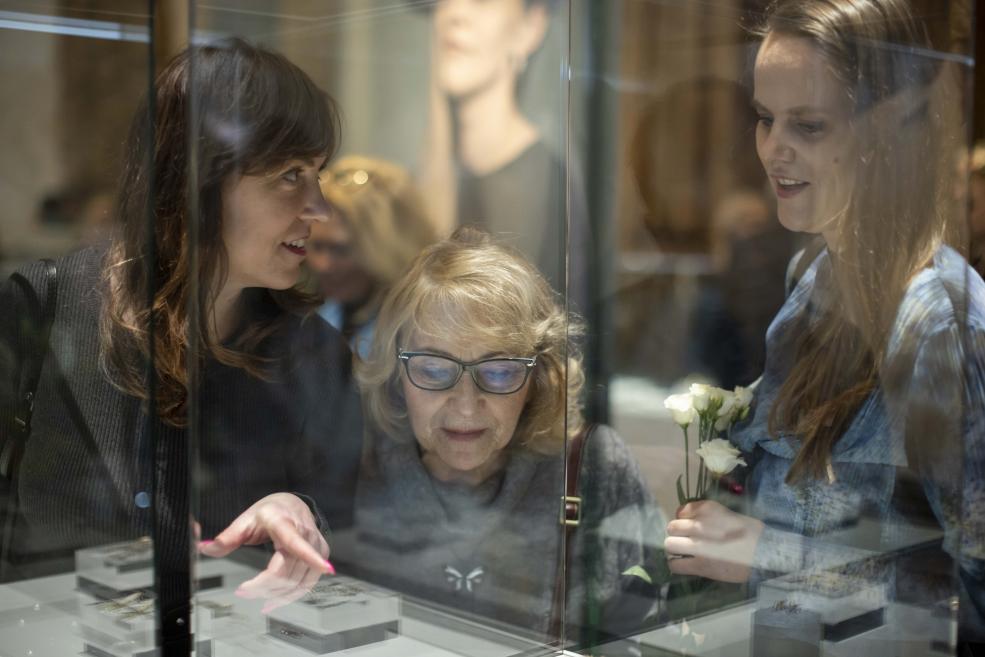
(804, 137)
(462, 432)
(477, 43)
(266, 222)
(332, 258)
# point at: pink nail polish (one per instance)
(331, 568)
(206, 542)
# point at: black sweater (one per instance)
(300, 431)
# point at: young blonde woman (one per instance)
(871, 407)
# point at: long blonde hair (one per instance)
(902, 210)
(470, 288)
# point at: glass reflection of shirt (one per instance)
(522, 203)
(361, 336)
(931, 400)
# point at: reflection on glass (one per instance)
(485, 162)
(378, 224)
(841, 492)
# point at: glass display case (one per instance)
(491, 327)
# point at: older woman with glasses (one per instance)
(471, 393)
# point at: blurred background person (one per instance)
(715, 278)
(749, 255)
(485, 162)
(976, 207)
(377, 225)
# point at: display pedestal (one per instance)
(339, 613)
(113, 571)
(797, 613)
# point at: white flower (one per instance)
(726, 412)
(681, 408)
(743, 397)
(720, 456)
(701, 395)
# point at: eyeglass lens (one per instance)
(500, 376)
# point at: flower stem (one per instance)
(687, 465)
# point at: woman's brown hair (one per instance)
(901, 211)
(219, 110)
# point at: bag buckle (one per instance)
(570, 510)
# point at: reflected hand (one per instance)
(720, 544)
(300, 551)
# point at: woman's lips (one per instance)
(296, 250)
(789, 187)
(471, 434)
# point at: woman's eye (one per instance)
(811, 127)
(292, 175)
(766, 120)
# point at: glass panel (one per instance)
(787, 216)
(445, 537)
(76, 442)
(727, 243)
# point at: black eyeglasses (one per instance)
(498, 376)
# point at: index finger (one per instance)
(286, 537)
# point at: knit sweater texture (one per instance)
(493, 550)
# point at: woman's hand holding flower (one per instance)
(720, 543)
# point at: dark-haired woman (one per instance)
(276, 420)
(867, 426)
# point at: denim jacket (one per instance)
(931, 394)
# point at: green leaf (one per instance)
(639, 571)
(681, 497)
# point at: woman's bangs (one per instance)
(462, 320)
(298, 122)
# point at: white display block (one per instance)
(845, 604)
(116, 570)
(339, 613)
(125, 627)
(122, 627)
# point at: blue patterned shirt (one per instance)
(931, 389)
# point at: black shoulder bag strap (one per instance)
(35, 346)
(36, 349)
(571, 511)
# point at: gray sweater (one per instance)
(493, 549)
